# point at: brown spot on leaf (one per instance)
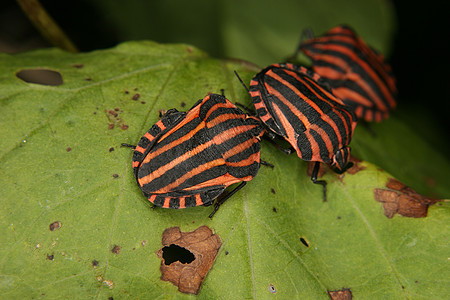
(109, 283)
(136, 96)
(78, 66)
(55, 225)
(344, 294)
(115, 249)
(399, 198)
(322, 169)
(197, 249)
(95, 263)
(356, 165)
(68, 149)
(111, 149)
(114, 118)
(50, 257)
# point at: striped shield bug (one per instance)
(188, 158)
(295, 104)
(357, 74)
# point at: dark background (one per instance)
(420, 52)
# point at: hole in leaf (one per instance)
(40, 76)
(175, 253)
(304, 242)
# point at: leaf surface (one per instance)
(60, 160)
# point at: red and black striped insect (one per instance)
(357, 74)
(295, 104)
(188, 158)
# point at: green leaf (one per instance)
(57, 164)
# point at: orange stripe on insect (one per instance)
(167, 147)
(193, 172)
(139, 149)
(152, 198)
(182, 202)
(198, 200)
(173, 163)
(166, 202)
(148, 136)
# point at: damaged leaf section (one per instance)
(186, 257)
(344, 294)
(40, 76)
(401, 199)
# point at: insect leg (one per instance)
(321, 182)
(220, 201)
(127, 145)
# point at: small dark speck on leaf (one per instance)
(135, 89)
(275, 209)
(113, 113)
(78, 66)
(116, 109)
(142, 102)
(115, 175)
(111, 149)
(183, 104)
(272, 190)
(126, 92)
(110, 298)
(88, 79)
(95, 263)
(226, 252)
(68, 149)
(50, 257)
(55, 225)
(304, 241)
(115, 249)
(110, 126)
(136, 96)
(124, 127)
(339, 217)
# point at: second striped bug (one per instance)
(296, 104)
